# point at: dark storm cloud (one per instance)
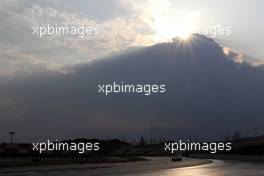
(207, 94)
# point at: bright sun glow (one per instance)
(173, 23)
(166, 28)
(185, 36)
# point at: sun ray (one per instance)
(168, 24)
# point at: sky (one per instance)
(124, 24)
(48, 85)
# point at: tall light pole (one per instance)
(11, 136)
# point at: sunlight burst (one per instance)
(168, 24)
